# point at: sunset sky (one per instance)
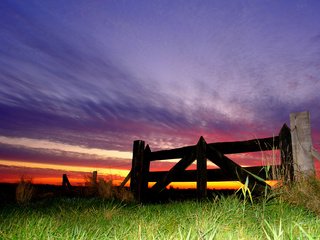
(80, 80)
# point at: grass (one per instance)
(94, 218)
(111, 214)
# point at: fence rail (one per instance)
(255, 145)
(213, 175)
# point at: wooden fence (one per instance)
(229, 170)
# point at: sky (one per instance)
(81, 80)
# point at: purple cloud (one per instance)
(102, 74)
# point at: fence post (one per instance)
(201, 169)
(94, 177)
(285, 147)
(137, 169)
(65, 182)
(145, 173)
(301, 144)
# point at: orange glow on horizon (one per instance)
(80, 181)
(223, 185)
(232, 185)
(75, 178)
(67, 168)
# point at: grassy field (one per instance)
(94, 218)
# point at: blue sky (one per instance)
(100, 74)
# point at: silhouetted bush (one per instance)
(24, 191)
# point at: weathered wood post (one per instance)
(145, 173)
(94, 177)
(285, 147)
(301, 144)
(201, 168)
(65, 182)
(136, 182)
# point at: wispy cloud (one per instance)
(47, 145)
(102, 74)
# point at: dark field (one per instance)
(45, 191)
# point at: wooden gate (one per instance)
(201, 152)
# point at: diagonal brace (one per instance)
(175, 170)
(234, 170)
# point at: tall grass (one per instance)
(105, 217)
(111, 214)
(304, 192)
(93, 218)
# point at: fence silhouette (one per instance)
(229, 170)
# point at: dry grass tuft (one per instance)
(106, 190)
(24, 191)
(91, 186)
(305, 193)
(124, 195)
